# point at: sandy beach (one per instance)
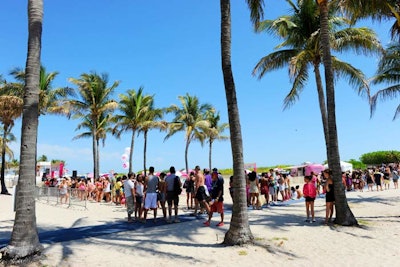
(282, 238)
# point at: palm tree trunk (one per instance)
(131, 151)
(3, 160)
(321, 100)
(209, 155)
(186, 155)
(24, 238)
(98, 157)
(344, 215)
(144, 152)
(239, 230)
(95, 159)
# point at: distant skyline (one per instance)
(172, 48)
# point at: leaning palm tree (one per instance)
(214, 132)
(94, 103)
(10, 109)
(24, 241)
(300, 50)
(152, 120)
(133, 108)
(239, 230)
(388, 73)
(344, 215)
(190, 117)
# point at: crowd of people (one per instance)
(141, 193)
(266, 189)
(204, 190)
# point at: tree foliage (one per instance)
(379, 157)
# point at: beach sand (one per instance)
(282, 238)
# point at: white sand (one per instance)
(282, 238)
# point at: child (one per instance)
(309, 194)
(294, 193)
(298, 191)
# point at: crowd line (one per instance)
(204, 191)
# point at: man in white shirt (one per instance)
(151, 186)
(129, 191)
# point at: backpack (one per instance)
(177, 187)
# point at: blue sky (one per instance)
(172, 48)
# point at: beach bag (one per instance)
(177, 187)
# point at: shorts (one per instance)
(217, 206)
(386, 181)
(129, 204)
(139, 200)
(282, 187)
(201, 194)
(310, 199)
(151, 201)
(272, 190)
(172, 197)
(118, 192)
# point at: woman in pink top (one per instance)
(309, 194)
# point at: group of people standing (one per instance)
(167, 188)
(205, 193)
(273, 185)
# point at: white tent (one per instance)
(345, 166)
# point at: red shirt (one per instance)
(309, 190)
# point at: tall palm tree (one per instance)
(344, 215)
(388, 73)
(152, 120)
(51, 100)
(215, 132)
(133, 108)
(24, 238)
(190, 117)
(239, 230)
(10, 109)
(93, 106)
(301, 51)
(102, 128)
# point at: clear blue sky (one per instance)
(173, 48)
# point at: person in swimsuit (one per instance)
(329, 196)
(370, 180)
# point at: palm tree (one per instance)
(301, 51)
(24, 238)
(133, 108)
(190, 118)
(152, 120)
(388, 73)
(14, 165)
(10, 109)
(51, 100)
(42, 158)
(239, 230)
(375, 9)
(214, 132)
(93, 107)
(344, 215)
(103, 127)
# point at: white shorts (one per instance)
(150, 201)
